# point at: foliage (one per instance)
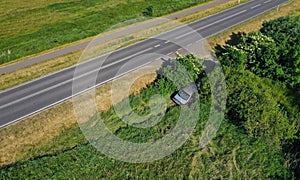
(177, 74)
(230, 154)
(231, 56)
(286, 33)
(268, 109)
(192, 65)
(255, 52)
(273, 52)
(149, 11)
(261, 107)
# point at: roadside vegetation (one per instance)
(31, 137)
(259, 137)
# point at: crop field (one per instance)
(29, 27)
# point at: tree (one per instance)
(286, 33)
(148, 12)
(231, 56)
(259, 106)
(255, 52)
(273, 52)
(180, 72)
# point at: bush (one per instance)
(261, 107)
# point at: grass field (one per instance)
(228, 156)
(28, 28)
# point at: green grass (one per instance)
(230, 155)
(26, 30)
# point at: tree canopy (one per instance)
(272, 52)
(260, 106)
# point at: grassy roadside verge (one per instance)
(40, 138)
(17, 77)
(31, 135)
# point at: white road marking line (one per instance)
(183, 35)
(73, 95)
(267, 1)
(255, 15)
(70, 80)
(190, 44)
(179, 49)
(255, 6)
(228, 17)
(128, 57)
(173, 30)
(169, 54)
(199, 40)
(73, 66)
(167, 42)
(34, 94)
(157, 45)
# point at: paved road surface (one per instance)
(32, 97)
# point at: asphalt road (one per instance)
(30, 98)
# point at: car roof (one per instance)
(190, 89)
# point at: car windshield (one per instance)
(183, 95)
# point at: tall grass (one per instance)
(230, 155)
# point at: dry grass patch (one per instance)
(22, 140)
